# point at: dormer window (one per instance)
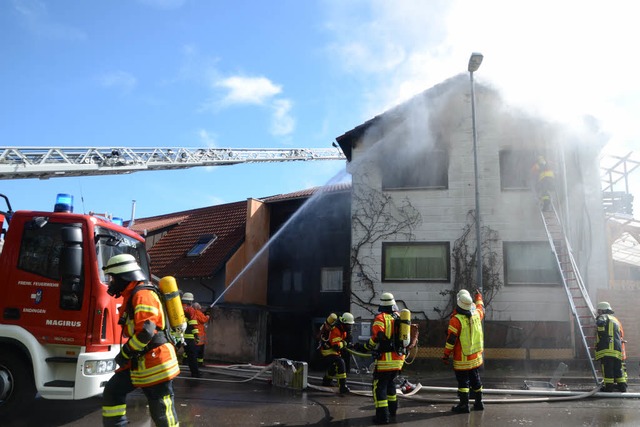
(202, 244)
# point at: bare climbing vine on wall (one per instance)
(463, 263)
(376, 217)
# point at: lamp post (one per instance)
(474, 63)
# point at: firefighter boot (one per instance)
(343, 386)
(463, 406)
(393, 408)
(477, 404)
(382, 416)
(608, 388)
(622, 387)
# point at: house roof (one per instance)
(305, 194)
(157, 222)
(397, 114)
(169, 255)
(227, 222)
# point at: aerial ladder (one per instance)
(581, 306)
(52, 162)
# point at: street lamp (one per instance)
(474, 63)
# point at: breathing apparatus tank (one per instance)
(326, 327)
(405, 327)
(169, 288)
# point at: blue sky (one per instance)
(282, 74)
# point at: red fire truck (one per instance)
(59, 329)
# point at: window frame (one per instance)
(291, 281)
(431, 160)
(446, 246)
(507, 254)
(323, 287)
(513, 162)
(202, 244)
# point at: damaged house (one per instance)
(414, 198)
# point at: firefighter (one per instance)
(465, 339)
(202, 332)
(339, 337)
(192, 334)
(148, 359)
(544, 182)
(388, 360)
(610, 349)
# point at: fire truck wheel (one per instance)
(17, 389)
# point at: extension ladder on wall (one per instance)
(581, 306)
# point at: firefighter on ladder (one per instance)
(331, 349)
(148, 359)
(544, 182)
(610, 349)
(465, 339)
(389, 362)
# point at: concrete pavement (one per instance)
(221, 400)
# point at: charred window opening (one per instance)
(515, 167)
(428, 169)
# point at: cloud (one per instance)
(248, 90)
(35, 17)
(262, 92)
(282, 123)
(560, 60)
(121, 80)
(208, 139)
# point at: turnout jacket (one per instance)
(609, 338)
(195, 324)
(151, 357)
(465, 337)
(336, 342)
(382, 341)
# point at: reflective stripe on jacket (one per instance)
(466, 339)
(335, 343)
(388, 360)
(202, 320)
(192, 322)
(159, 364)
(610, 337)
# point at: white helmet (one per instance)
(465, 302)
(125, 266)
(347, 318)
(462, 291)
(603, 305)
(122, 269)
(187, 297)
(386, 299)
(119, 264)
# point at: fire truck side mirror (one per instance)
(70, 269)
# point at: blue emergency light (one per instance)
(64, 203)
(117, 220)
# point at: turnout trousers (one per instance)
(159, 397)
(384, 390)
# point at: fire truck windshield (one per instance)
(110, 243)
